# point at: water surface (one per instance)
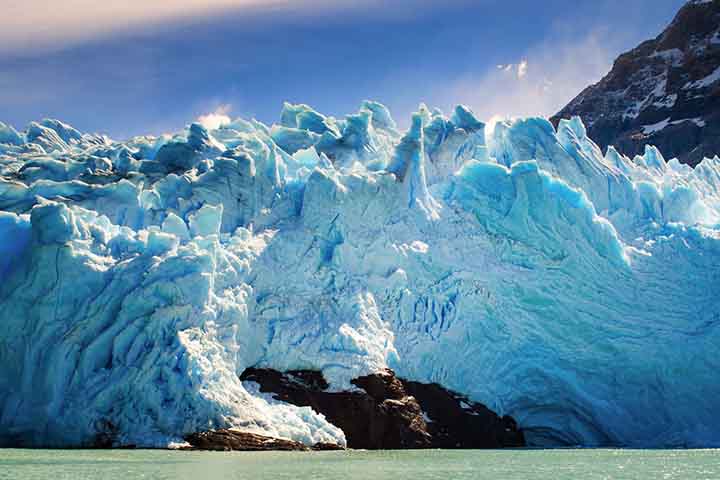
(352, 465)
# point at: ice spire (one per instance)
(408, 165)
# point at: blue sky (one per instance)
(126, 70)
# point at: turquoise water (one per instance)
(351, 465)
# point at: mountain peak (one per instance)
(664, 92)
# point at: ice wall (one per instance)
(575, 291)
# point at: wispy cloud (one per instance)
(32, 24)
(39, 22)
(541, 83)
(522, 69)
(217, 118)
(518, 69)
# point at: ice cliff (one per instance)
(576, 291)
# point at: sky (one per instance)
(129, 67)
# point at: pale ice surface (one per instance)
(576, 291)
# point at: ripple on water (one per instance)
(588, 464)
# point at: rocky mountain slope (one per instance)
(665, 92)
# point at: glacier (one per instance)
(516, 264)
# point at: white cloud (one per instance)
(40, 22)
(560, 71)
(518, 69)
(522, 69)
(216, 119)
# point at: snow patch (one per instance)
(655, 127)
(704, 82)
(673, 56)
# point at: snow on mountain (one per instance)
(574, 291)
(675, 76)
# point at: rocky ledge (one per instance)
(385, 412)
(227, 440)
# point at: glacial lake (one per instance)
(584, 464)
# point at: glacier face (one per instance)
(576, 291)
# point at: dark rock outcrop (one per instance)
(227, 440)
(389, 413)
(457, 422)
(665, 92)
(326, 446)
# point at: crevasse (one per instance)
(576, 291)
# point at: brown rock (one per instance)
(227, 440)
(390, 413)
(456, 422)
(323, 446)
